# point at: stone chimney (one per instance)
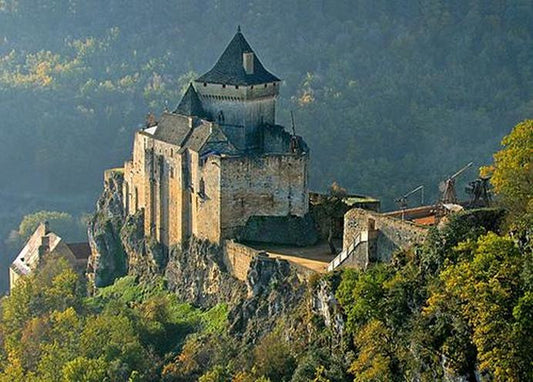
(46, 227)
(248, 62)
(45, 243)
(44, 248)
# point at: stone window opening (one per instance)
(220, 117)
(236, 86)
(205, 84)
(266, 85)
(201, 191)
(223, 86)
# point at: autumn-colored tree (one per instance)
(488, 289)
(512, 171)
(375, 353)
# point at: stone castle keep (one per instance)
(219, 159)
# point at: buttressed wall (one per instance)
(219, 158)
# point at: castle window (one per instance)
(220, 117)
(172, 153)
(251, 87)
(236, 86)
(223, 85)
(205, 83)
(201, 191)
(274, 84)
(172, 172)
(266, 85)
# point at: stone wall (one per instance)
(285, 230)
(244, 109)
(392, 234)
(205, 196)
(267, 185)
(237, 258)
(211, 198)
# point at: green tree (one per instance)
(82, 369)
(375, 357)
(512, 172)
(489, 287)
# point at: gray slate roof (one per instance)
(204, 137)
(190, 104)
(172, 128)
(230, 71)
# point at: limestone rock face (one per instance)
(197, 274)
(196, 271)
(146, 258)
(272, 287)
(325, 305)
(274, 290)
(108, 259)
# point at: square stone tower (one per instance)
(240, 94)
(219, 163)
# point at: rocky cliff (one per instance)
(271, 289)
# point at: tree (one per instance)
(374, 361)
(488, 288)
(512, 171)
(82, 369)
(334, 208)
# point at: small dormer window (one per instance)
(248, 62)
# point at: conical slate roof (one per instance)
(190, 104)
(229, 68)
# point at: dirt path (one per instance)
(315, 258)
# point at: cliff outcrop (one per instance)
(108, 259)
(269, 288)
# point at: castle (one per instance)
(219, 159)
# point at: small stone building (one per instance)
(371, 237)
(44, 242)
(219, 158)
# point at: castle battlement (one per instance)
(219, 159)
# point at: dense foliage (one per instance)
(51, 331)
(459, 305)
(388, 95)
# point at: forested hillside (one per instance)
(388, 94)
(457, 307)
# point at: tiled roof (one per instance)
(218, 143)
(190, 104)
(80, 251)
(229, 68)
(172, 128)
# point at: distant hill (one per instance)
(388, 95)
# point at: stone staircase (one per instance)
(341, 257)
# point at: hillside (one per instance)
(455, 307)
(388, 96)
